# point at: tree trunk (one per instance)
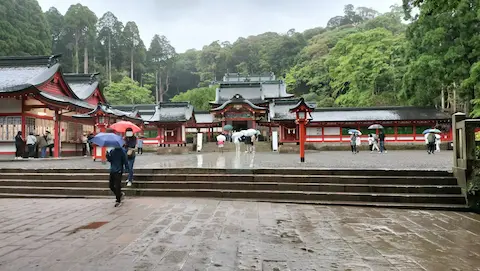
(160, 88)
(85, 59)
(109, 67)
(76, 54)
(106, 68)
(454, 98)
(443, 98)
(131, 63)
(156, 87)
(167, 83)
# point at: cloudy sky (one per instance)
(195, 23)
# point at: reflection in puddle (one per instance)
(252, 160)
(221, 161)
(237, 163)
(199, 160)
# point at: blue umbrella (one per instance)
(435, 131)
(108, 140)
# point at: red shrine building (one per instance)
(36, 97)
(262, 102)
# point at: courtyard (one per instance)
(203, 234)
(327, 159)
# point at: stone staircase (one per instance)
(389, 188)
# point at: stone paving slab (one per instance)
(329, 159)
(202, 234)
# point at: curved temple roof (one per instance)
(83, 85)
(22, 73)
(238, 99)
(172, 112)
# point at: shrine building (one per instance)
(262, 102)
(36, 96)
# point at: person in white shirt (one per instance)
(437, 142)
(252, 147)
(372, 142)
(31, 142)
(358, 142)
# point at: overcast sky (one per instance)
(195, 23)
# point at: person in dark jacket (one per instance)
(90, 145)
(381, 138)
(19, 146)
(130, 145)
(118, 161)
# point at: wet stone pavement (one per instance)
(328, 159)
(203, 234)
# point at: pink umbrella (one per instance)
(121, 126)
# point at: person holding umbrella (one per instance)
(118, 161)
(353, 143)
(221, 142)
(129, 129)
(354, 139)
(431, 139)
(381, 138)
(130, 145)
(236, 140)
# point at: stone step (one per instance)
(282, 171)
(222, 185)
(422, 180)
(256, 194)
(426, 206)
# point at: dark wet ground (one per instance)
(202, 234)
(329, 159)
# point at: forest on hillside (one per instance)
(360, 58)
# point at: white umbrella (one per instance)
(249, 132)
(237, 135)
(221, 138)
(375, 126)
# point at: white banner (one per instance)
(275, 141)
(199, 141)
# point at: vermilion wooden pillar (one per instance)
(301, 124)
(56, 135)
(24, 120)
(302, 111)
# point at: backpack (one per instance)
(431, 138)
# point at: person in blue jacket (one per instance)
(130, 145)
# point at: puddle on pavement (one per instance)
(89, 226)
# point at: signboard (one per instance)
(239, 115)
(275, 141)
(199, 141)
(313, 131)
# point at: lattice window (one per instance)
(9, 127)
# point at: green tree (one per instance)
(109, 32)
(56, 24)
(445, 33)
(185, 74)
(127, 91)
(24, 29)
(80, 24)
(200, 98)
(363, 68)
(161, 59)
(135, 47)
(311, 74)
